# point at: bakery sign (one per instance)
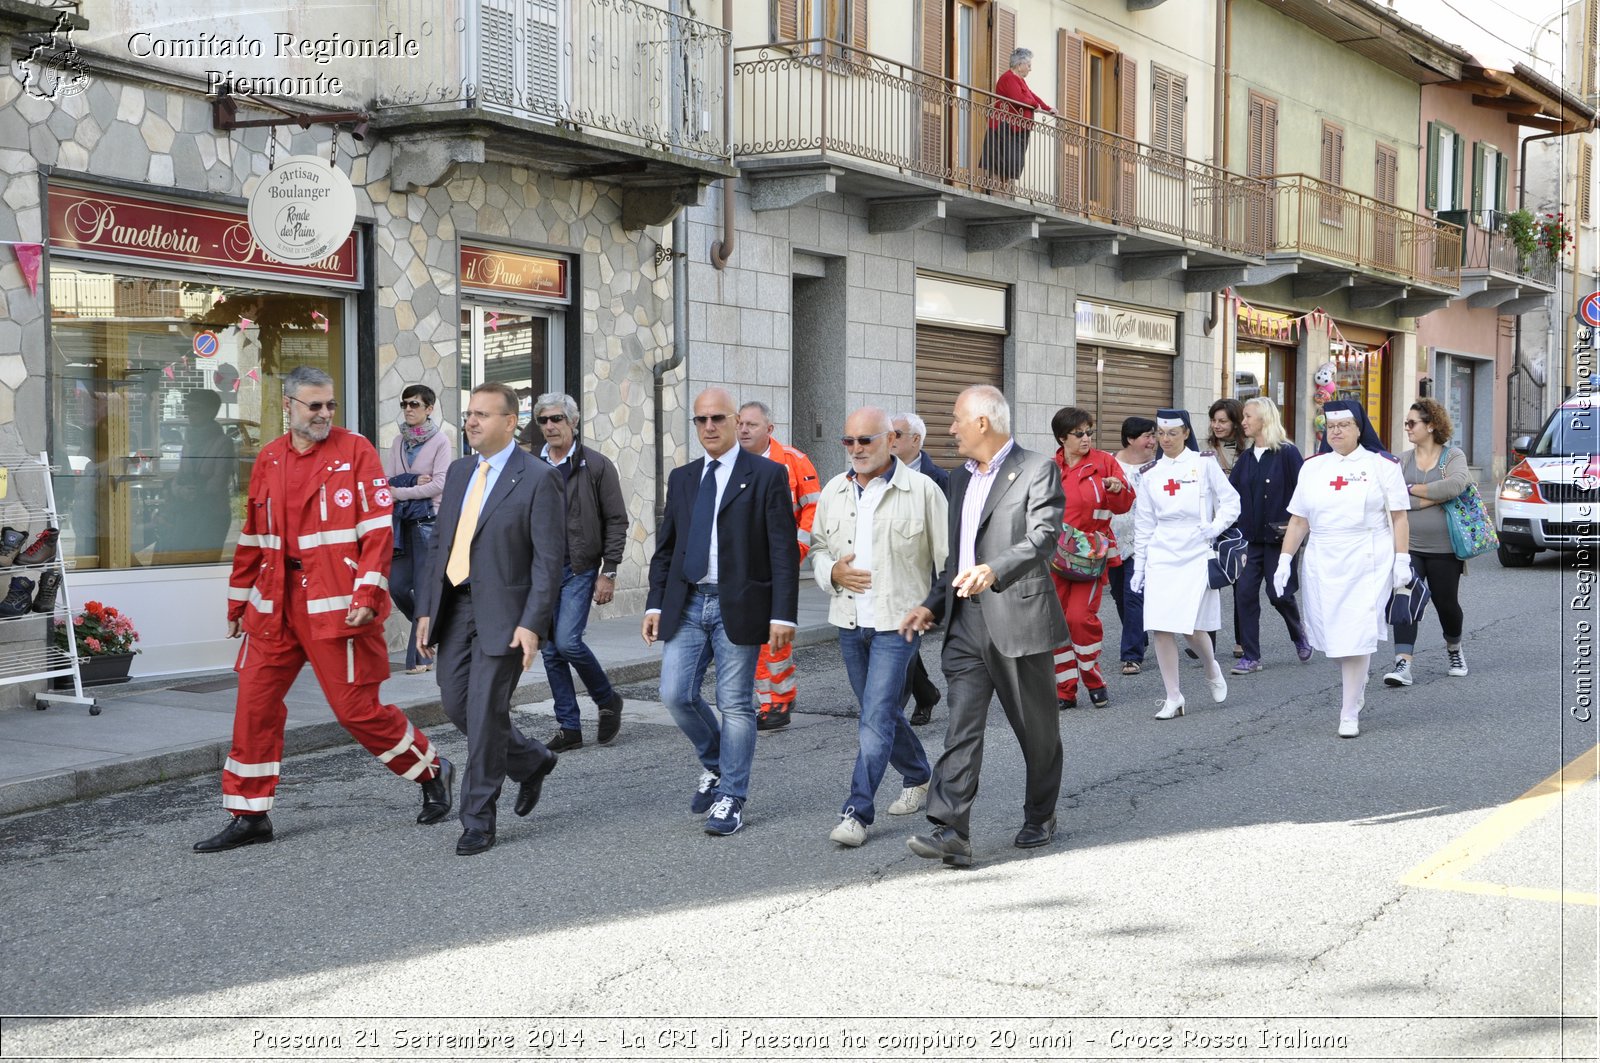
(302, 209)
(485, 269)
(216, 239)
(1121, 326)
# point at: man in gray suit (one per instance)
(1004, 624)
(487, 600)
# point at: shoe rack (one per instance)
(30, 654)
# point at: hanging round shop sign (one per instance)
(302, 210)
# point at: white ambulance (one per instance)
(1550, 500)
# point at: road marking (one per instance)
(1444, 869)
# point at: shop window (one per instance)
(162, 392)
(511, 346)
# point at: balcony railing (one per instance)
(1315, 218)
(1487, 247)
(620, 67)
(820, 97)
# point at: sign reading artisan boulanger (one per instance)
(485, 269)
(216, 239)
(302, 209)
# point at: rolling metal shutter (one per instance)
(1131, 384)
(948, 362)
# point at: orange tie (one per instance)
(460, 564)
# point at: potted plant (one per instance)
(1552, 235)
(105, 640)
(1519, 226)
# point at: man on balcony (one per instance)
(775, 678)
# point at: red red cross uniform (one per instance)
(775, 678)
(1090, 507)
(328, 509)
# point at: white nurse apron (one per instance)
(1345, 574)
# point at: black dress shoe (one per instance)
(244, 830)
(772, 719)
(610, 719)
(1099, 697)
(946, 844)
(436, 793)
(1033, 835)
(1063, 704)
(473, 842)
(922, 714)
(564, 740)
(530, 789)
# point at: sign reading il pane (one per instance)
(485, 269)
(942, 301)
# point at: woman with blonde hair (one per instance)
(1266, 474)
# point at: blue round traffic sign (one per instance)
(1589, 309)
(205, 344)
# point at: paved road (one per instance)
(1237, 874)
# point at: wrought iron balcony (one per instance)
(1487, 249)
(815, 99)
(619, 69)
(1340, 228)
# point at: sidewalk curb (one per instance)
(34, 792)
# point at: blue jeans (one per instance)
(403, 579)
(566, 650)
(728, 747)
(878, 664)
(1130, 610)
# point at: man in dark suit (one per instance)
(486, 601)
(906, 442)
(726, 573)
(1004, 624)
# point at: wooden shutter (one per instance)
(1591, 43)
(1430, 196)
(948, 362)
(1261, 160)
(858, 26)
(1477, 176)
(1332, 154)
(785, 20)
(1585, 180)
(1167, 103)
(932, 112)
(1002, 37)
(1502, 174)
(1069, 96)
(1127, 125)
(1385, 188)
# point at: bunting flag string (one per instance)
(30, 257)
(1342, 351)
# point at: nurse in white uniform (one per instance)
(1351, 501)
(1184, 502)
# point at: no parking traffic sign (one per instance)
(205, 344)
(1589, 310)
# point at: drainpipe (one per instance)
(680, 351)
(722, 250)
(1221, 61)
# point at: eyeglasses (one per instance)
(702, 419)
(1087, 434)
(1413, 424)
(317, 407)
(861, 441)
(411, 404)
(552, 418)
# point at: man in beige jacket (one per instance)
(881, 530)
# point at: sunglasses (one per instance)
(552, 418)
(861, 441)
(1088, 434)
(1413, 424)
(411, 404)
(317, 407)
(703, 419)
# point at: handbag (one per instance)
(1080, 556)
(1227, 559)
(1471, 530)
(408, 510)
(1407, 604)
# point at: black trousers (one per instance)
(1260, 563)
(1443, 573)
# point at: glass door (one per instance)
(515, 346)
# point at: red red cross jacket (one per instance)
(1090, 506)
(343, 523)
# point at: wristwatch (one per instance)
(610, 575)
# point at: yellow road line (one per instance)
(1444, 869)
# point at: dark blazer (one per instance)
(1017, 532)
(518, 550)
(1265, 488)
(937, 473)
(758, 559)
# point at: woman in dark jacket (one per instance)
(1265, 475)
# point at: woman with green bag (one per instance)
(1435, 473)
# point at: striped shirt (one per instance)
(972, 506)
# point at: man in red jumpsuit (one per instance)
(310, 582)
(1093, 484)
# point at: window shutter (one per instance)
(858, 25)
(1430, 198)
(1386, 176)
(1269, 138)
(930, 41)
(1177, 116)
(1458, 173)
(1591, 43)
(1338, 157)
(1253, 165)
(1477, 176)
(1160, 109)
(1069, 96)
(785, 20)
(1004, 38)
(1127, 125)
(1502, 176)
(931, 111)
(1585, 179)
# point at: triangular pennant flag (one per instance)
(494, 321)
(166, 371)
(236, 385)
(245, 322)
(29, 257)
(253, 375)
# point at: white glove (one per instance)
(1280, 576)
(1402, 571)
(1136, 584)
(1206, 532)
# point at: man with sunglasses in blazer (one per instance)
(725, 574)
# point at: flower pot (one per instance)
(104, 670)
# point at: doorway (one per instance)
(515, 346)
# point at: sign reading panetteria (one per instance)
(302, 210)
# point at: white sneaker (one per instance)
(1349, 726)
(912, 799)
(1458, 661)
(1401, 676)
(1219, 686)
(1170, 708)
(850, 831)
